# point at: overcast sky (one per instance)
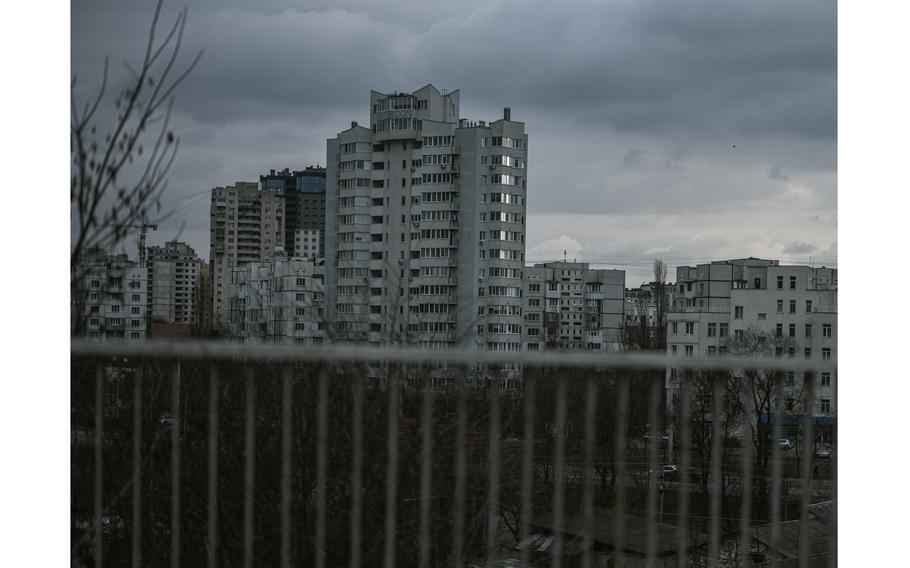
(688, 130)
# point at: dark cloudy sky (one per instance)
(688, 130)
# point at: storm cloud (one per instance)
(654, 111)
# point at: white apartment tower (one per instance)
(246, 225)
(173, 276)
(425, 226)
(572, 307)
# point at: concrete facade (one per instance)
(112, 298)
(425, 226)
(307, 243)
(246, 225)
(277, 301)
(173, 277)
(304, 198)
(713, 304)
(569, 306)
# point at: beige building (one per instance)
(247, 225)
(173, 277)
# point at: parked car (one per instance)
(785, 444)
(668, 472)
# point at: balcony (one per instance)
(221, 453)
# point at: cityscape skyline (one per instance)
(637, 161)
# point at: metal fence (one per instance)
(217, 454)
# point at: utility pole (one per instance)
(143, 228)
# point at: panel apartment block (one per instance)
(247, 224)
(425, 225)
(572, 307)
(173, 277)
(304, 197)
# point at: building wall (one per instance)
(570, 306)
(173, 278)
(409, 230)
(246, 225)
(307, 243)
(715, 302)
(278, 301)
(112, 298)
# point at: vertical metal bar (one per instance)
(807, 446)
(137, 468)
(587, 498)
(426, 471)
(493, 473)
(746, 476)
(357, 473)
(653, 472)
(718, 407)
(322, 446)
(684, 439)
(212, 504)
(175, 467)
(249, 467)
(559, 473)
(527, 465)
(391, 504)
(776, 470)
(832, 532)
(619, 525)
(461, 427)
(99, 464)
(287, 393)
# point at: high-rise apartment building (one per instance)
(425, 225)
(790, 310)
(247, 224)
(569, 306)
(304, 197)
(173, 276)
(110, 300)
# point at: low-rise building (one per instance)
(110, 299)
(571, 306)
(791, 311)
(280, 300)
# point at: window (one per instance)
(673, 350)
(826, 353)
(762, 315)
(826, 379)
(134, 310)
(826, 405)
(793, 282)
(779, 330)
(808, 352)
(780, 306)
(690, 328)
(675, 327)
(826, 330)
(135, 297)
(808, 306)
(724, 329)
(791, 352)
(690, 350)
(712, 330)
(712, 350)
(738, 333)
(780, 282)
(792, 306)
(791, 330)
(791, 378)
(738, 312)
(115, 309)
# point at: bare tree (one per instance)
(659, 293)
(106, 202)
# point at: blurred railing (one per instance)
(221, 454)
